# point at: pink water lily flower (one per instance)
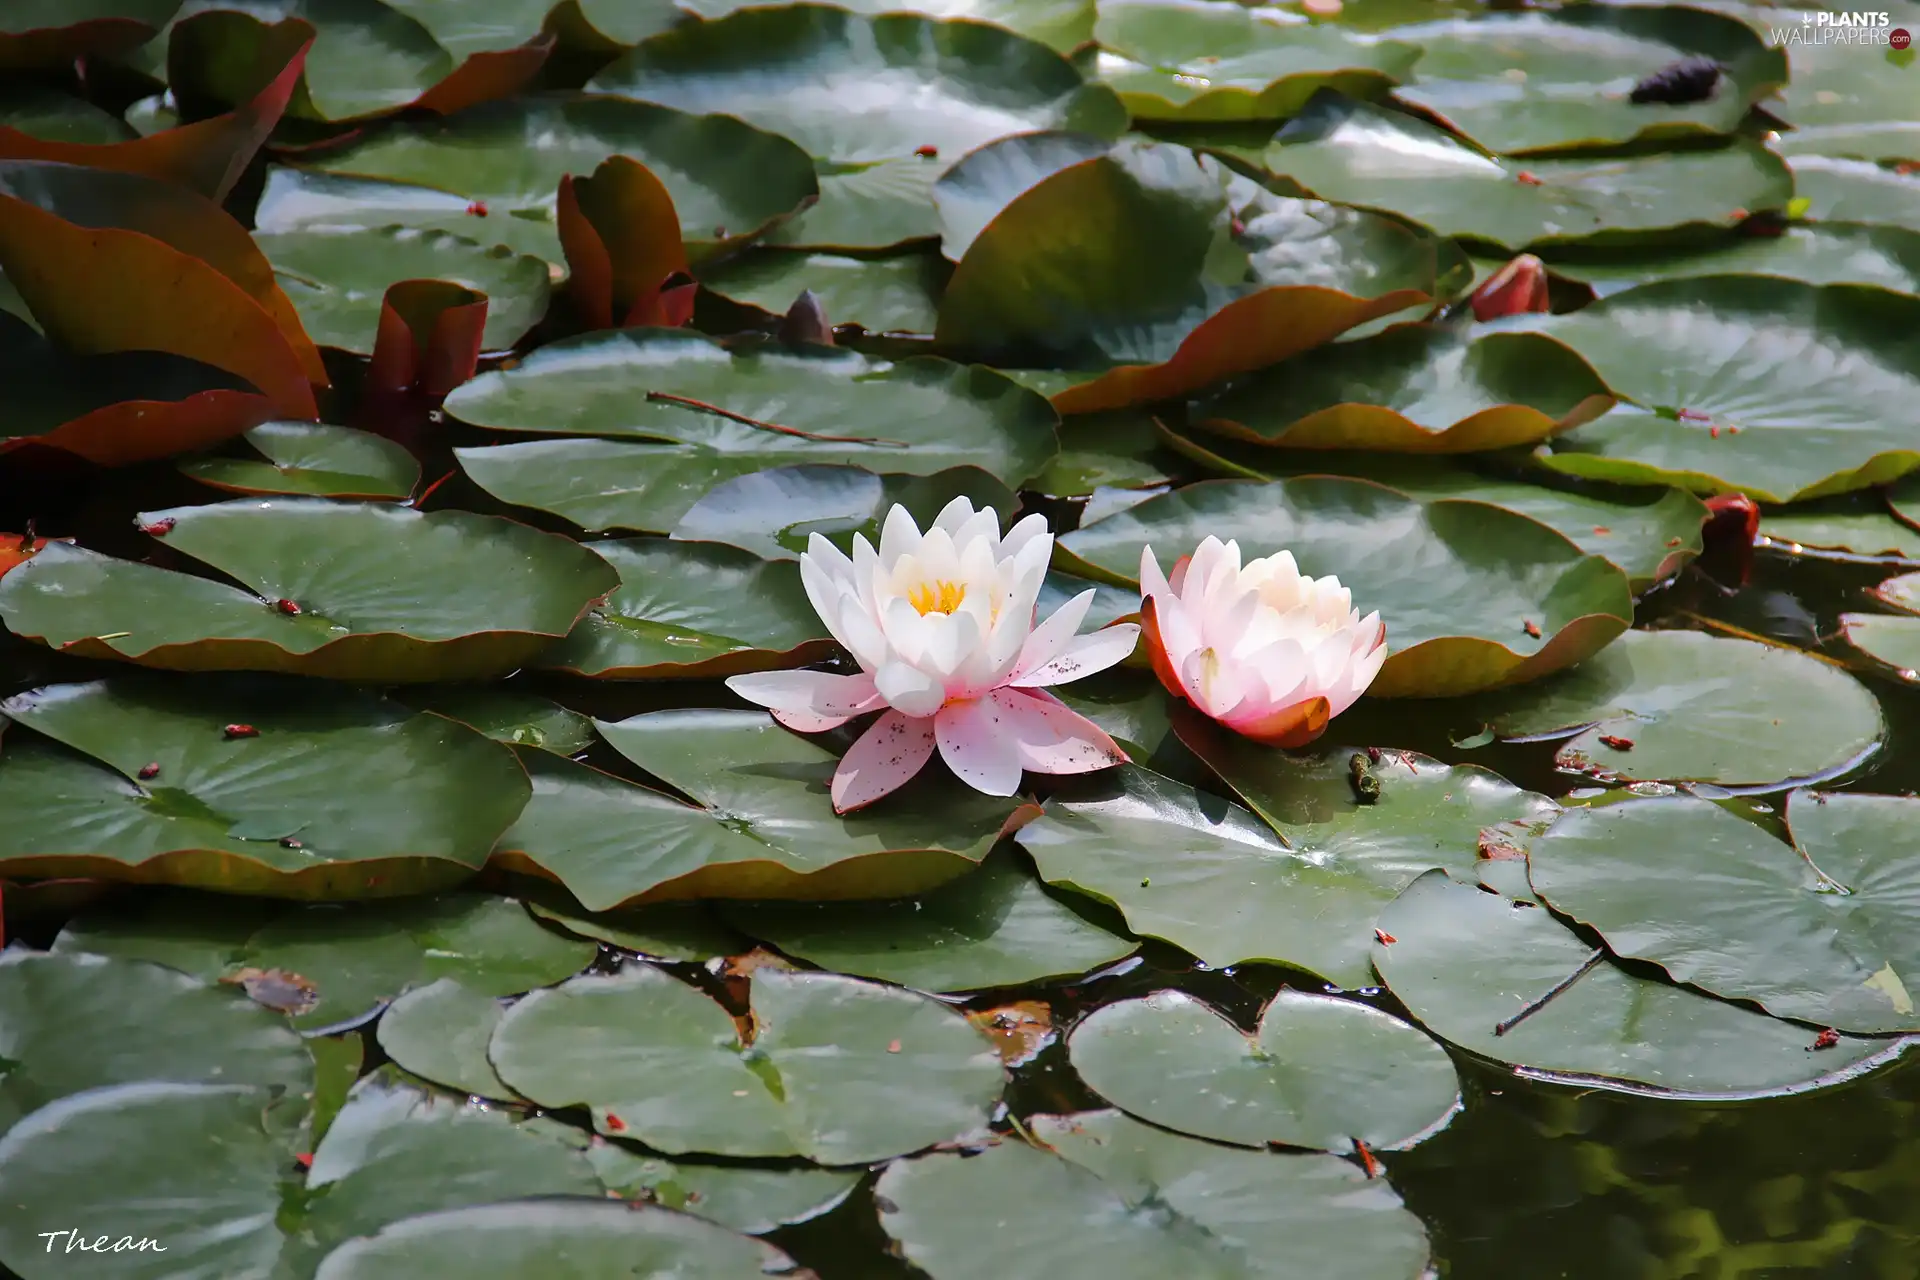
(942, 625)
(1266, 651)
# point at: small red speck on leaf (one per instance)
(1733, 431)
(1367, 1161)
(288, 842)
(1694, 415)
(1673, 542)
(615, 1123)
(1826, 1039)
(149, 771)
(1384, 938)
(719, 233)
(1373, 755)
(1616, 742)
(893, 1046)
(927, 152)
(1906, 168)
(240, 731)
(478, 209)
(159, 528)
(1737, 214)
(1526, 179)
(1602, 530)
(1531, 627)
(1714, 432)
(287, 607)
(304, 1159)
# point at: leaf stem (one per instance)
(1558, 988)
(686, 402)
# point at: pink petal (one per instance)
(1045, 641)
(884, 759)
(815, 693)
(1084, 655)
(1050, 737)
(807, 721)
(978, 747)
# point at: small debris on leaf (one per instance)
(1678, 83)
(288, 842)
(1384, 938)
(1526, 179)
(1531, 627)
(1366, 787)
(1367, 1162)
(927, 152)
(1693, 415)
(149, 771)
(478, 209)
(277, 989)
(719, 233)
(287, 607)
(1617, 742)
(304, 1159)
(1602, 530)
(159, 528)
(615, 1123)
(233, 731)
(1827, 1039)
(1019, 1031)
(893, 1046)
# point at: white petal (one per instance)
(908, 689)
(819, 693)
(1084, 655)
(978, 746)
(1152, 581)
(954, 515)
(861, 634)
(828, 557)
(807, 722)
(1046, 641)
(884, 759)
(898, 536)
(1024, 533)
(1050, 737)
(906, 628)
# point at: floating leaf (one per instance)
(793, 69)
(1849, 99)
(1319, 1072)
(1891, 642)
(508, 715)
(1820, 253)
(440, 1032)
(1109, 1198)
(1722, 905)
(881, 295)
(1464, 962)
(1853, 532)
(748, 1199)
(335, 794)
(1856, 191)
(659, 1061)
(692, 609)
(1356, 153)
(774, 513)
(1683, 706)
(309, 459)
(994, 927)
(869, 206)
(670, 931)
(400, 595)
(1456, 579)
(1064, 24)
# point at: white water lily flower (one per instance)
(1267, 652)
(942, 625)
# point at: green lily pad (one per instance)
(1720, 904)
(339, 795)
(440, 1032)
(881, 295)
(762, 825)
(1188, 61)
(60, 117)
(1464, 961)
(745, 1198)
(1120, 454)
(691, 609)
(75, 1022)
(394, 594)
(1842, 533)
(203, 934)
(866, 207)
(918, 417)
(337, 279)
(509, 715)
(195, 1169)
(1109, 1198)
(1891, 642)
(1456, 580)
(1545, 81)
(597, 1241)
(1849, 99)
(994, 927)
(1356, 153)
(1795, 408)
(1064, 24)
(1814, 253)
(1838, 190)
(464, 27)
(669, 931)
(654, 1058)
(773, 513)
(510, 156)
(311, 460)
(1185, 279)
(1902, 592)
(1417, 389)
(1698, 708)
(1319, 1072)
(794, 70)
(337, 1060)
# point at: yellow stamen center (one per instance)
(936, 597)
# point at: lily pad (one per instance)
(1546, 81)
(515, 1239)
(1850, 100)
(1891, 642)
(1813, 253)
(308, 459)
(881, 295)
(1201, 60)
(1360, 154)
(509, 715)
(1822, 935)
(1684, 706)
(59, 117)
(508, 158)
(1205, 874)
(795, 68)
(1839, 190)
(1763, 386)
(1064, 24)
(1464, 962)
(1319, 1072)
(334, 794)
(1109, 1198)
(1417, 389)
(1457, 580)
(866, 206)
(773, 513)
(748, 1199)
(1839, 533)
(337, 278)
(656, 1059)
(199, 933)
(994, 927)
(761, 827)
(670, 931)
(440, 1032)
(398, 595)
(75, 1022)
(692, 609)
(918, 417)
